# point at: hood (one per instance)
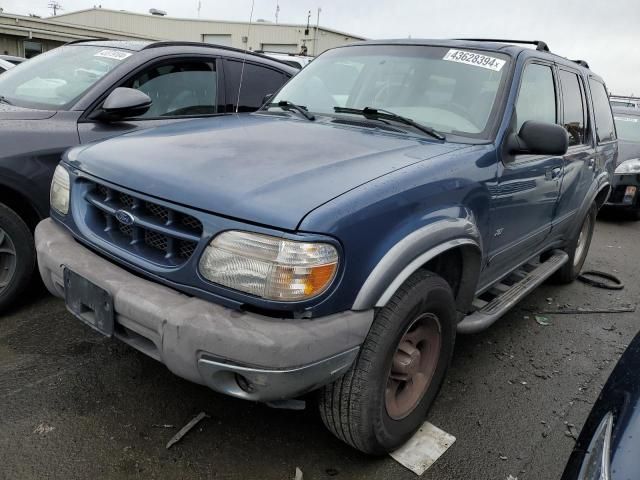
(263, 169)
(627, 150)
(11, 112)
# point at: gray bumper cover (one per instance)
(241, 354)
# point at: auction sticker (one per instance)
(475, 59)
(627, 119)
(114, 54)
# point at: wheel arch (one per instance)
(451, 248)
(21, 204)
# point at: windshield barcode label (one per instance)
(115, 54)
(475, 59)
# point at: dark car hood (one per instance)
(627, 150)
(11, 112)
(259, 168)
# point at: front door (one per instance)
(180, 89)
(525, 198)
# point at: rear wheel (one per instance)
(578, 249)
(17, 256)
(384, 398)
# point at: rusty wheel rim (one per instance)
(413, 366)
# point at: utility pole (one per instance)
(55, 6)
(199, 7)
(277, 11)
(315, 39)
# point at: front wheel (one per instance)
(17, 256)
(578, 249)
(384, 398)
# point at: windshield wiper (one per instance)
(378, 113)
(290, 106)
(3, 99)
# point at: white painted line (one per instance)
(423, 449)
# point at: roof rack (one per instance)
(81, 40)
(540, 45)
(582, 63)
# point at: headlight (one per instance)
(595, 465)
(629, 167)
(269, 267)
(59, 195)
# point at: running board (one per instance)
(525, 279)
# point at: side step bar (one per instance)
(527, 278)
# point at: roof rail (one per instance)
(80, 40)
(175, 43)
(582, 63)
(540, 45)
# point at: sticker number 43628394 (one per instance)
(475, 59)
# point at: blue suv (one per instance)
(389, 196)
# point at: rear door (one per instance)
(180, 89)
(579, 162)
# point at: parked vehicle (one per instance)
(625, 195)
(12, 59)
(298, 61)
(625, 102)
(88, 91)
(4, 65)
(391, 194)
(607, 447)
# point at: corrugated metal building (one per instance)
(260, 36)
(29, 36)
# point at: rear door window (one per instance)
(537, 97)
(605, 128)
(257, 81)
(573, 107)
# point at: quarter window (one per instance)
(179, 89)
(573, 108)
(537, 97)
(605, 128)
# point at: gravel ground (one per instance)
(75, 405)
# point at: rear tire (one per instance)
(578, 249)
(17, 256)
(384, 398)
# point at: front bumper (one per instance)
(242, 354)
(625, 191)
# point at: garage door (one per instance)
(280, 47)
(224, 40)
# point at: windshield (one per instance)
(450, 90)
(628, 127)
(53, 80)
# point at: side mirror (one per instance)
(123, 103)
(539, 138)
(266, 98)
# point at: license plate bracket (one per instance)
(89, 303)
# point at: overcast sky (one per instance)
(605, 33)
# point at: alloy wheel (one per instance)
(8, 260)
(413, 366)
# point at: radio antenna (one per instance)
(244, 59)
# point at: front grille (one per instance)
(160, 234)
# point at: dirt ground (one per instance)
(74, 405)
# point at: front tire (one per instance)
(384, 398)
(578, 249)
(17, 256)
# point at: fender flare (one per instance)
(418, 248)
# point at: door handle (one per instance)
(552, 173)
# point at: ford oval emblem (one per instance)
(125, 218)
